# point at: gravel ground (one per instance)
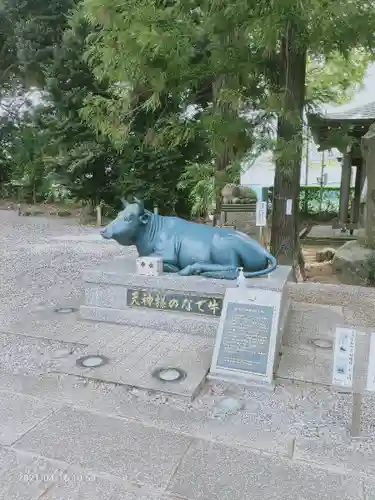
(42, 260)
(41, 264)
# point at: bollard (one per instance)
(99, 215)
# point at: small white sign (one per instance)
(343, 360)
(261, 213)
(289, 207)
(149, 266)
(370, 386)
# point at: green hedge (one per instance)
(312, 197)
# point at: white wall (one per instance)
(262, 172)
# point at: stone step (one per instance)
(307, 352)
(357, 302)
(143, 354)
(301, 358)
(307, 322)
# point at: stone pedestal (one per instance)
(114, 293)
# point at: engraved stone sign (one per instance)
(248, 338)
(173, 301)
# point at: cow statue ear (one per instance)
(143, 219)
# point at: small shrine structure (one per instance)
(346, 131)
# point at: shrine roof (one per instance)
(356, 116)
(327, 128)
(361, 113)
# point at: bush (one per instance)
(316, 199)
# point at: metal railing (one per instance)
(237, 207)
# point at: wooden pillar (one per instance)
(357, 195)
(362, 198)
(368, 152)
(346, 175)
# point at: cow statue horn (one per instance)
(140, 203)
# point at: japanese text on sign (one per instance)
(170, 301)
(261, 213)
(343, 361)
(246, 338)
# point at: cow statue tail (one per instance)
(271, 267)
(233, 274)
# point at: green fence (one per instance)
(316, 200)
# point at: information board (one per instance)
(246, 338)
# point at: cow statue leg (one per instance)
(200, 268)
(170, 268)
(231, 260)
(169, 265)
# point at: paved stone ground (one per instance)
(64, 436)
(322, 231)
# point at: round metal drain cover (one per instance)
(169, 374)
(322, 343)
(92, 361)
(65, 310)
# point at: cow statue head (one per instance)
(127, 224)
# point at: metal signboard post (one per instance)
(261, 218)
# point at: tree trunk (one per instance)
(221, 149)
(368, 152)
(221, 164)
(285, 224)
(217, 215)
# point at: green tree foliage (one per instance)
(83, 161)
(79, 158)
(198, 180)
(287, 34)
(248, 55)
(7, 134)
(8, 68)
(22, 163)
(138, 121)
(335, 78)
(35, 29)
(196, 54)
